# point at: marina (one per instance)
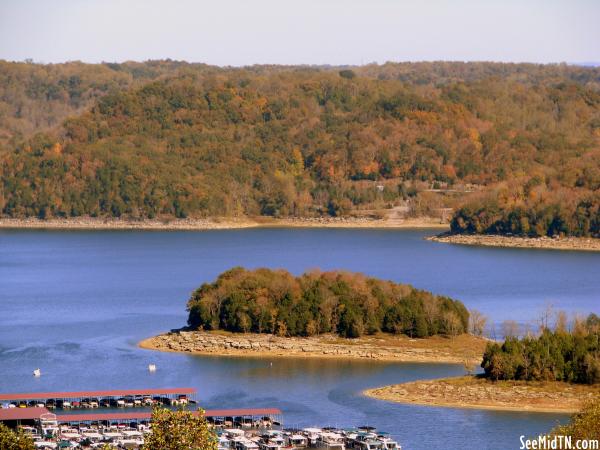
(235, 429)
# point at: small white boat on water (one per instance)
(151, 367)
(37, 373)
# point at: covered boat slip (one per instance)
(249, 416)
(79, 408)
(96, 398)
(21, 416)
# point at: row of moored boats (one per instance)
(129, 401)
(51, 436)
(326, 438)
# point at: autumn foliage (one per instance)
(168, 139)
(179, 430)
(349, 304)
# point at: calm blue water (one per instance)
(76, 303)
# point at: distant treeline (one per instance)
(349, 304)
(554, 215)
(553, 356)
(166, 139)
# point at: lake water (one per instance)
(75, 303)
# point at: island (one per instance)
(271, 313)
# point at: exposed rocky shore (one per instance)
(478, 393)
(565, 243)
(91, 223)
(381, 347)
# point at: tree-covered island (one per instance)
(348, 304)
(335, 314)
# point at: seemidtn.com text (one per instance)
(558, 442)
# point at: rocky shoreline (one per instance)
(91, 223)
(438, 349)
(565, 243)
(477, 393)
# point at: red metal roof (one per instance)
(80, 394)
(147, 415)
(22, 413)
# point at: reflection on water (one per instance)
(313, 369)
(76, 303)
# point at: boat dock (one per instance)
(122, 398)
(50, 419)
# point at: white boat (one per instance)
(332, 441)
(131, 434)
(243, 443)
(368, 443)
(70, 436)
(45, 444)
(389, 444)
(92, 436)
(130, 443)
(312, 434)
(269, 446)
(49, 425)
(112, 435)
(37, 373)
(234, 432)
(297, 441)
(224, 443)
(152, 367)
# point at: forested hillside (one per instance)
(35, 97)
(170, 139)
(349, 304)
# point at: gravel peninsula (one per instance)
(480, 393)
(380, 347)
